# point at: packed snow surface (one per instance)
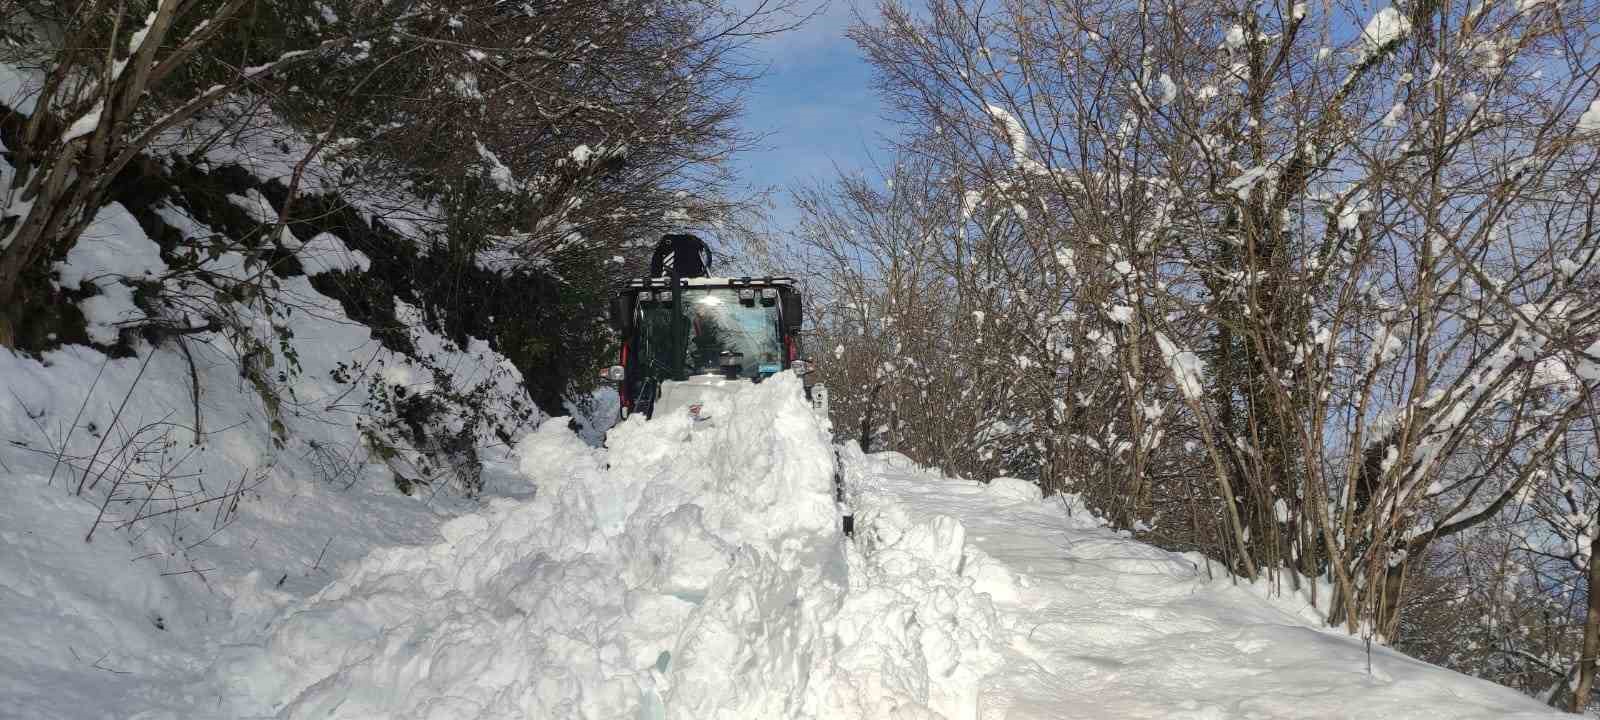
(1090, 624)
(696, 569)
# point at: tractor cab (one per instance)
(683, 338)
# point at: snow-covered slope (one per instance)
(697, 570)
(210, 502)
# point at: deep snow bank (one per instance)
(687, 577)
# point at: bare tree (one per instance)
(1331, 263)
(538, 128)
(98, 106)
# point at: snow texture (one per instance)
(1387, 26)
(1247, 180)
(498, 172)
(264, 145)
(1235, 37)
(112, 252)
(116, 627)
(85, 124)
(256, 205)
(136, 40)
(1169, 89)
(326, 253)
(695, 569)
(1086, 623)
(1016, 135)
(20, 86)
(1186, 367)
(1590, 120)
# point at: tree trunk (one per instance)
(1591, 632)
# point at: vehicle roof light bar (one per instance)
(766, 280)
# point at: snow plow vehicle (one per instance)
(687, 336)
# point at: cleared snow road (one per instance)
(1092, 625)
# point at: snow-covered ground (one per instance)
(1089, 624)
(697, 570)
(158, 508)
(195, 545)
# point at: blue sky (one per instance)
(815, 105)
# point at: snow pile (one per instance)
(916, 634)
(687, 577)
(694, 570)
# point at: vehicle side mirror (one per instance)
(791, 312)
(620, 314)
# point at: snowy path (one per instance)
(695, 571)
(1091, 625)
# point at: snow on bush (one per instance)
(1186, 367)
(112, 253)
(1387, 26)
(1590, 120)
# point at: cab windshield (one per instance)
(714, 321)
